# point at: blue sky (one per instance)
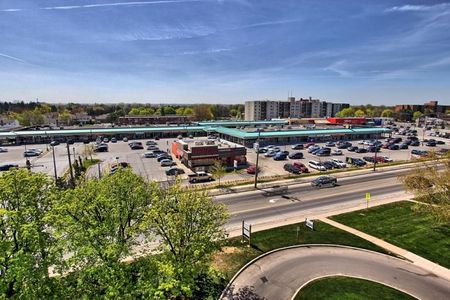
(224, 51)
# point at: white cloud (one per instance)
(418, 8)
(337, 67)
(117, 4)
(12, 58)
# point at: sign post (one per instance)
(309, 223)
(367, 199)
(247, 232)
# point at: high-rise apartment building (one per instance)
(300, 108)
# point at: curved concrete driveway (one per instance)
(280, 274)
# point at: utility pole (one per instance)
(70, 165)
(54, 163)
(257, 158)
(375, 157)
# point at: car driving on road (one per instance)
(324, 181)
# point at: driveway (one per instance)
(280, 274)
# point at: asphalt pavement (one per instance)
(279, 275)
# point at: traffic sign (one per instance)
(367, 196)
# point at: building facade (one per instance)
(154, 119)
(300, 108)
(430, 109)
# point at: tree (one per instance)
(64, 116)
(99, 220)
(431, 188)
(180, 111)
(190, 224)
(214, 110)
(387, 113)
(134, 111)
(169, 110)
(417, 115)
(26, 243)
(359, 113)
(202, 112)
(188, 111)
(347, 112)
(218, 170)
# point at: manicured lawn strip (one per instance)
(398, 224)
(264, 241)
(344, 288)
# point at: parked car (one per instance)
(162, 157)
(270, 153)
(251, 170)
(309, 144)
(149, 155)
(53, 143)
(3, 149)
(301, 166)
(340, 163)
(137, 146)
(291, 169)
(148, 143)
(312, 148)
(174, 171)
(167, 163)
(361, 150)
(323, 152)
(316, 165)
(125, 139)
(328, 165)
(394, 147)
(7, 167)
(403, 146)
(431, 144)
(373, 148)
(297, 147)
(284, 152)
(324, 181)
(330, 144)
(387, 159)
(343, 145)
(199, 177)
(113, 140)
(152, 147)
(352, 148)
(369, 159)
(440, 143)
(336, 152)
(415, 143)
(355, 161)
(280, 156)
(105, 140)
(296, 155)
(101, 148)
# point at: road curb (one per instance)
(301, 246)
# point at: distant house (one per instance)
(81, 118)
(8, 124)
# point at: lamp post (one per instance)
(257, 158)
(70, 165)
(375, 157)
(54, 163)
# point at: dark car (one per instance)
(296, 155)
(136, 146)
(54, 143)
(431, 144)
(352, 148)
(291, 168)
(404, 146)
(280, 156)
(415, 143)
(174, 171)
(163, 156)
(101, 148)
(394, 147)
(70, 142)
(440, 142)
(407, 142)
(355, 161)
(328, 165)
(373, 149)
(324, 181)
(369, 159)
(284, 152)
(323, 152)
(7, 167)
(361, 150)
(330, 144)
(297, 147)
(343, 145)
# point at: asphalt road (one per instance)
(302, 199)
(280, 274)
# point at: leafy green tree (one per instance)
(387, 113)
(190, 225)
(346, 112)
(146, 111)
(359, 113)
(188, 111)
(169, 110)
(26, 243)
(202, 112)
(180, 111)
(417, 115)
(99, 220)
(135, 111)
(218, 170)
(214, 110)
(431, 188)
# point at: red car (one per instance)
(308, 144)
(251, 170)
(301, 166)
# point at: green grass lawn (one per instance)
(236, 253)
(346, 288)
(398, 224)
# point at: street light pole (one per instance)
(54, 164)
(70, 165)
(375, 157)
(257, 158)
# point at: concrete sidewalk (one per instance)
(415, 259)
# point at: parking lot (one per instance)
(150, 168)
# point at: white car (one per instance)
(270, 153)
(336, 152)
(29, 153)
(316, 165)
(149, 155)
(35, 150)
(3, 149)
(167, 163)
(340, 163)
(387, 159)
